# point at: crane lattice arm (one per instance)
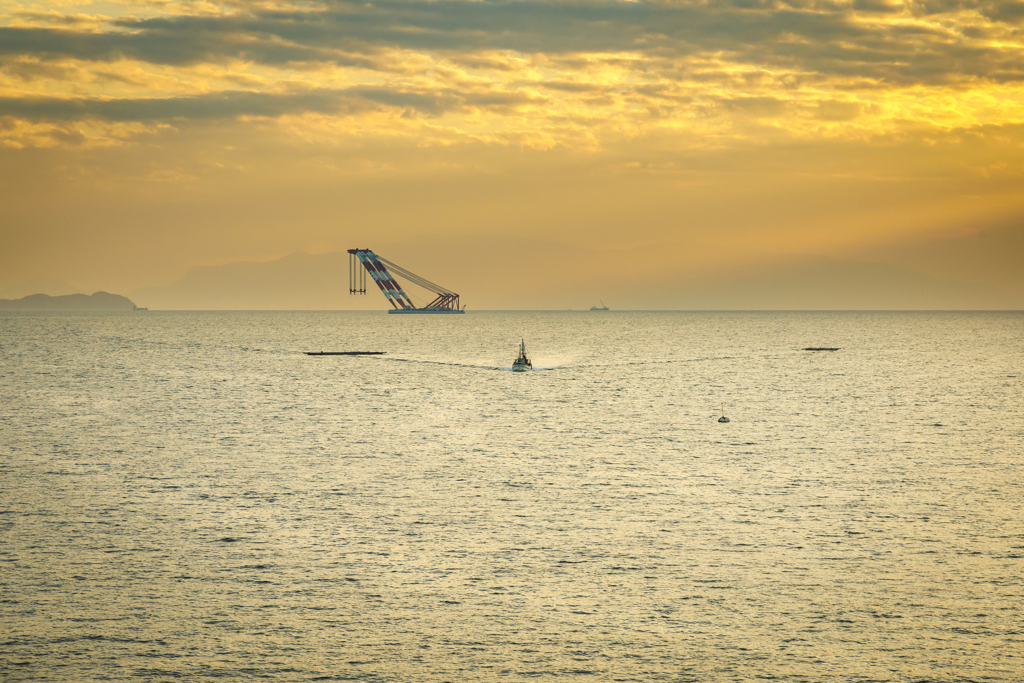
(447, 301)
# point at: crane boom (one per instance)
(447, 301)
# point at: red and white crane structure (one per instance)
(447, 301)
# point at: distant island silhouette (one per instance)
(98, 301)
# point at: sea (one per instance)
(189, 496)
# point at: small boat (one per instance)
(522, 364)
(723, 418)
(603, 307)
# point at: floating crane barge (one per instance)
(447, 301)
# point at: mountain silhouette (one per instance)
(99, 301)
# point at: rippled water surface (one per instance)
(189, 496)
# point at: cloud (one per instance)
(757, 106)
(153, 46)
(78, 21)
(857, 40)
(558, 72)
(831, 110)
(234, 104)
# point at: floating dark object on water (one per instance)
(821, 348)
(344, 353)
(723, 418)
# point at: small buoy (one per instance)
(723, 418)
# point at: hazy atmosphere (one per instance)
(529, 155)
(730, 389)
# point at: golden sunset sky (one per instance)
(141, 139)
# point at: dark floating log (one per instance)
(344, 353)
(821, 348)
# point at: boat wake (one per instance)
(557, 365)
(534, 369)
(475, 366)
(438, 362)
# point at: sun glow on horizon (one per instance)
(783, 124)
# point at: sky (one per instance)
(141, 139)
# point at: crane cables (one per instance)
(415, 279)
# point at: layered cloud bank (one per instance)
(129, 130)
(528, 71)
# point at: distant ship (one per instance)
(522, 364)
(603, 308)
